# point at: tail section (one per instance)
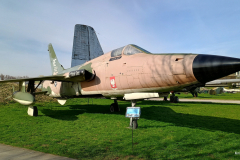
(85, 45)
(55, 65)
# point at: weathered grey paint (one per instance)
(85, 45)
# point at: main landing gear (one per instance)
(195, 94)
(173, 98)
(32, 111)
(164, 98)
(133, 121)
(114, 107)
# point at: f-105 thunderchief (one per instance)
(127, 73)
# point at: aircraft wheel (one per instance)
(196, 94)
(116, 108)
(176, 99)
(135, 124)
(171, 99)
(32, 111)
(164, 98)
(112, 108)
(35, 111)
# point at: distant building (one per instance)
(238, 77)
(238, 74)
(231, 76)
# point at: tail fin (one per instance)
(85, 45)
(55, 65)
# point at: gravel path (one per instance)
(15, 153)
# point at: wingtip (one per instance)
(49, 46)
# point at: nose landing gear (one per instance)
(173, 98)
(133, 121)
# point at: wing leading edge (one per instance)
(73, 76)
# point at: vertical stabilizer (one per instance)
(55, 65)
(85, 45)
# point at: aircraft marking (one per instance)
(55, 67)
(113, 82)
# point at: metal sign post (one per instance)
(132, 134)
(133, 113)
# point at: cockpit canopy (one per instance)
(128, 50)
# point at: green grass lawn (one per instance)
(166, 130)
(223, 96)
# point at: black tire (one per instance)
(164, 98)
(112, 108)
(35, 111)
(116, 108)
(176, 99)
(135, 124)
(196, 94)
(171, 99)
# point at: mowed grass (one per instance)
(166, 130)
(223, 96)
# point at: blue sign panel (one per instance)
(133, 112)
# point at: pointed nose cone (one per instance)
(210, 67)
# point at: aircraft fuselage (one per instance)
(141, 72)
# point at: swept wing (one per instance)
(74, 76)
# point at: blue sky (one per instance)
(159, 26)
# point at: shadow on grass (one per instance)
(69, 115)
(158, 111)
(76, 110)
(166, 114)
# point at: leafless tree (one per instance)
(6, 77)
(2, 77)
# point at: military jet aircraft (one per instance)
(214, 83)
(127, 73)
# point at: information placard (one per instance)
(133, 112)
